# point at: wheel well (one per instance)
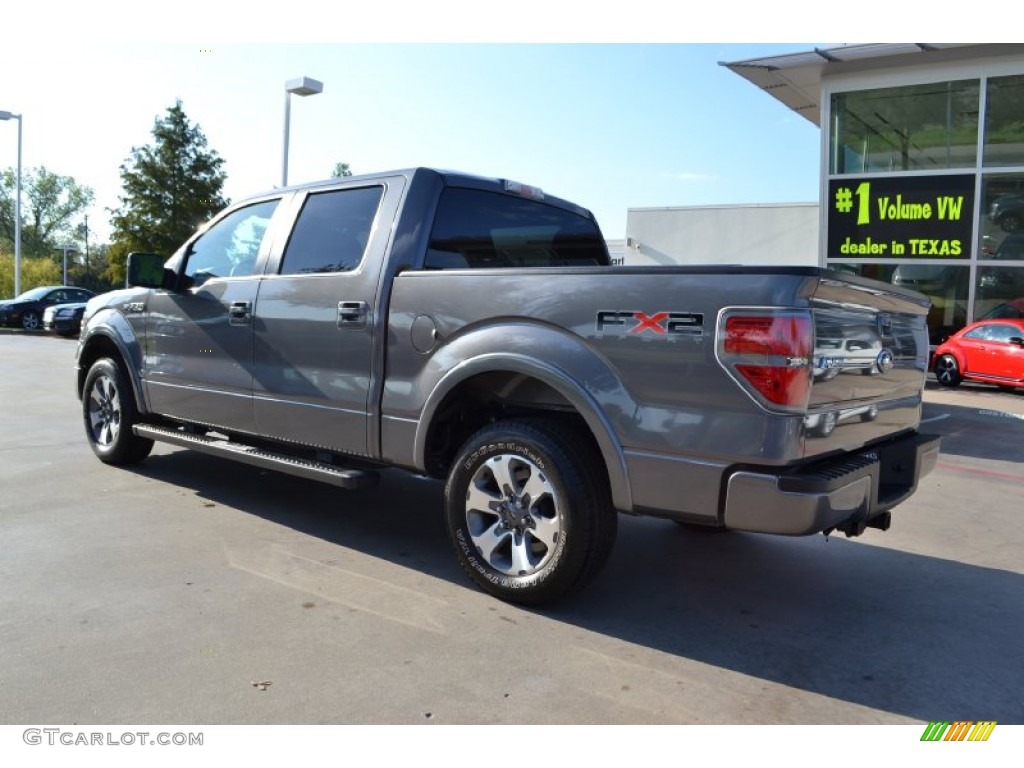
(490, 397)
(98, 346)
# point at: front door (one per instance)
(199, 352)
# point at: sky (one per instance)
(611, 106)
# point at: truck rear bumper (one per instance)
(848, 493)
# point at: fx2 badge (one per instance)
(669, 324)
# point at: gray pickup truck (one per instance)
(473, 330)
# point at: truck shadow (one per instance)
(916, 636)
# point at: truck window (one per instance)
(332, 231)
(477, 229)
(229, 248)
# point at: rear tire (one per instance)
(30, 321)
(528, 510)
(109, 413)
(947, 371)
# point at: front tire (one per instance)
(947, 371)
(528, 510)
(109, 413)
(1011, 222)
(30, 321)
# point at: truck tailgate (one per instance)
(870, 360)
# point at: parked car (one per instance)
(26, 311)
(988, 351)
(1013, 308)
(64, 319)
(834, 356)
(1008, 212)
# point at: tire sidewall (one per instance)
(473, 456)
(125, 448)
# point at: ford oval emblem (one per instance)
(885, 361)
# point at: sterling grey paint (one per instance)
(673, 422)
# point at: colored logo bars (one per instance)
(961, 730)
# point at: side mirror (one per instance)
(1018, 340)
(145, 270)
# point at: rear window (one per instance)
(476, 229)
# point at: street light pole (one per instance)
(300, 86)
(67, 249)
(17, 207)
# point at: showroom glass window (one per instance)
(999, 289)
(925, 127)
(1004, 121)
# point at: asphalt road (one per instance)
(194, 590)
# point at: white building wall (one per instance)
(765, 234)
(617, 251)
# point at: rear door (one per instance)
(314, 331)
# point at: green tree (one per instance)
(90, 270)
(50, 205)
(169, 188)
(35, 271)
(341, 171)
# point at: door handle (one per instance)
(238, 313)
(352, 314)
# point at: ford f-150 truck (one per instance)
(473, 330)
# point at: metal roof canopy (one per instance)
(795, 78)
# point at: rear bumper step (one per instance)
(850, 494)
(342, 477)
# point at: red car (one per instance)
(989, 351)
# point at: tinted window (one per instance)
(230, 247)
(1011, 248)
(487, 229)
(332, 231)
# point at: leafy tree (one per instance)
(341, 171)
(169, 188)
(90, 270)
(35, 271)
(50, 204)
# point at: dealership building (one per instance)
(922, 178)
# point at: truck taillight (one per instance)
(770, 354)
